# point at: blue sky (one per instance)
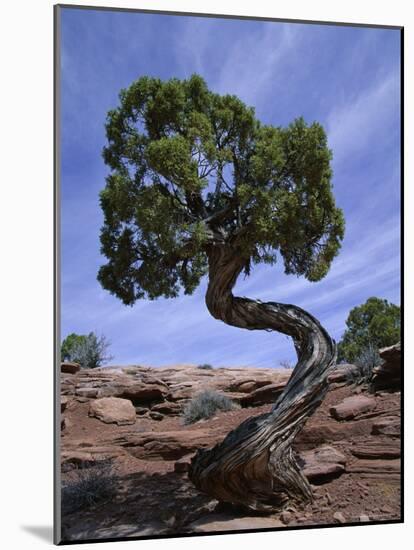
(347, 78)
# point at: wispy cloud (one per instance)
(255, 64)
(363, 121)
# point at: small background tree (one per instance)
(71, 342)
(370, 326)
(89, 350)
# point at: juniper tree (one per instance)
(199, 186)
(370, 326)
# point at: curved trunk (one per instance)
(254, 465)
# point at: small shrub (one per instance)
(206, 404)
(205, 366)
(88, 486)
(367, 359)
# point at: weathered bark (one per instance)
(254, 466)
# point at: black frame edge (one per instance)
(57, 535)
(229, 16)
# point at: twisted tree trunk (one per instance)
(254, 466)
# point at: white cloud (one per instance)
(255, 63)
(363, 121)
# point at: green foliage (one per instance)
(205, 366)
(188, 165)
(206, 404)
(71, 342)
(90, 351)
(372, 325)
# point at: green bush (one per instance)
(90, 351)
(206, 404)
(205, 366)
(69, 344)
(88, 486)
(376, 323)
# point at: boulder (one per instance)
(69, 367)
(322, 464)
(352, 406)
(113, 410)
(387, 376)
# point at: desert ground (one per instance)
(125, 426)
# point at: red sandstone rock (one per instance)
(388, 425)
(69, 367)
(317, 432)
(322, 462)
(375, 466)
(387, 376)
(171, 409)
(170, 445)
(352, 406)
(265, 394)
(377, 449)
(113, 410)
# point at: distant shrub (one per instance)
(285, 364)
(205, 366)
(90, 351)
(88, 486)
(365, 362)
(206, 404)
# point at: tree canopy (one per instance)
(69, 344)
(374, 324)
(190, 168)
